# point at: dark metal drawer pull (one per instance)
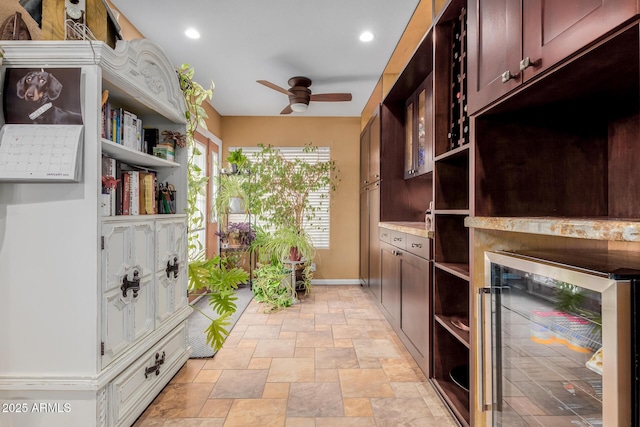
(416, 245)
(155, 368)
(397, 239)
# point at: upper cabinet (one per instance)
(418, 148)
(510, 42)
(370, 151)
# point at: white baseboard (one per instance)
(335, 281)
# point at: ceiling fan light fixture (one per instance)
(299, 107)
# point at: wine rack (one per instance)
(459, 120)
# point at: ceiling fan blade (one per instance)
(331, 97)
(274, 87)
(287, 110)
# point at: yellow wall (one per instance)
(214, 122)
(342, 135)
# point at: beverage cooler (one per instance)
(557, 332)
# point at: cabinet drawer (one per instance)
(134, 385)
(398, 239)
(385, 235)
(418, 246)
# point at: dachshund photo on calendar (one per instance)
(43, 96)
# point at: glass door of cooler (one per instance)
(545, 335)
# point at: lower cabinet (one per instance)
(406, 290)
(134, 389)
(390, 265)
(143, 312)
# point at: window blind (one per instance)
(319, 229)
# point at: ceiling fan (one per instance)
(299, 94)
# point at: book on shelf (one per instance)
(126, 193)
(151, 138)
(134, 207)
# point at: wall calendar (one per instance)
(40, 153)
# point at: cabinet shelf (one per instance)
(456, 398)
(460, 270)
(459, 334)
(134, 157)
(131, 218)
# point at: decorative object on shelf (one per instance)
(428, 217)
(460, 376)
(166, 194)
(176, 139)
(460, 323)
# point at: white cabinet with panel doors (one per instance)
(93, 308)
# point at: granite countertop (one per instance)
(415, 228)
(613, 229)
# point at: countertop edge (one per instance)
(582, 228)
(414, 228)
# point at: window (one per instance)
(319, 230)
(199, 160)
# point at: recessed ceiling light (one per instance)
(192, 33)
(366, 36)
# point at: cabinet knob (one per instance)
(397, 253)
(506, 76)
(527, 62)
(366, 181)
(377, 175)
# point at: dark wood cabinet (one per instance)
(418, 147)
(364, 156)
(364, 236)
(406, 291)
(370, 151)
(369, 201)
(510, 42)
(390, 264)
(415, 298)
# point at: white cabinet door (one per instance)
(171, 267)
(127, 286)
(142, 259)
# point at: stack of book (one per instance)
(134, 192)
(122, 127)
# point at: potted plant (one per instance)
(236, 160)
(281, 189)
(271, 286)
(231, 194)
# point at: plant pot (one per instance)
(236, 205)
(294, 255)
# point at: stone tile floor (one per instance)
(330, 361)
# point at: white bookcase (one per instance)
(93, 309)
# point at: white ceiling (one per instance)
(247, 40)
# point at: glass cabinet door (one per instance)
(546, 351)
(408, 142)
